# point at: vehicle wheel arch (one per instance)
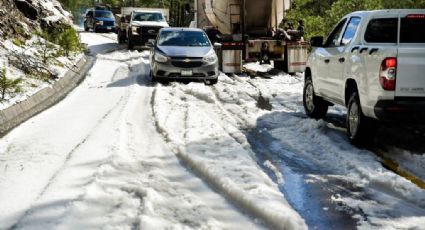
(350, 88)
(307, 74)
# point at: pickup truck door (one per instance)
(340, 62)
(410, 78)
(329, 64)
(380, 42)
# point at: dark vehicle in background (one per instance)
(183, 54)
(99, 20)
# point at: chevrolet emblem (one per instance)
(151, 31)
(187, 60)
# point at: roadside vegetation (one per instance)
(34, 51)
(320, 16)
(8, 86)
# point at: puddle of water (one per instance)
(311, 200)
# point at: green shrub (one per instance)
(69, 41)
(321, 16)
(17, 42)
(8, 86)
(66, 37)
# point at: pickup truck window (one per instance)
(412, 29)
(148, 16)
(334, 37)
(382, 30)
(351, 30)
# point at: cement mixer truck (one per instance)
(246, 30)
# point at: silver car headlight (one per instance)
(160, 58)
(211, 57)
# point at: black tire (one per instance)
(130, 44)
(314, 106)
(86, 28)
(360, 129)
(213, 82)
(119, 39)
(152, 76)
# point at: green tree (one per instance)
(69, 41)
(320, 16)
(8, 86)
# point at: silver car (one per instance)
(183, 54)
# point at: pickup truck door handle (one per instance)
(355, 48)
(363, 49)
(341, 60)
(327, 61)
(373, 50)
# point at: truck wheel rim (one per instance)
(353, 118)
(309, 97)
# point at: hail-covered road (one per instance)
(121, 152)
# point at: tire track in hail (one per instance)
(120, 105)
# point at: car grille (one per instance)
(178, 75)
(184, 62)
(150, 30)
(107, 23)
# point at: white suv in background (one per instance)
(373, 62)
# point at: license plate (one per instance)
(109, 27)
(151, 40)
(186, 73)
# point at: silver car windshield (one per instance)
(183, 38)
(148, 16)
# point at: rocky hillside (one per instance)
(37, 45)
(23, 17)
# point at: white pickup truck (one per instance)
(143, 26)
(373, 62)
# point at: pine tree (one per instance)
(8, 86)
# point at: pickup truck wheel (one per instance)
(130, 44)
(360, 129)
(152, 76)
(212, 82)
(314, 106)
(119, 37)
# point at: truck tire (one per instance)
(360, 129)
(130, 44)
(86, 28)
(119, 37)
(213, 81)
(314, 106)
(152, 76)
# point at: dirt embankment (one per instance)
(22, 18)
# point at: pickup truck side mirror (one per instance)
(316, 41)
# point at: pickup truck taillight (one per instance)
(387, 75)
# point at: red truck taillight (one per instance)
(387, 75)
